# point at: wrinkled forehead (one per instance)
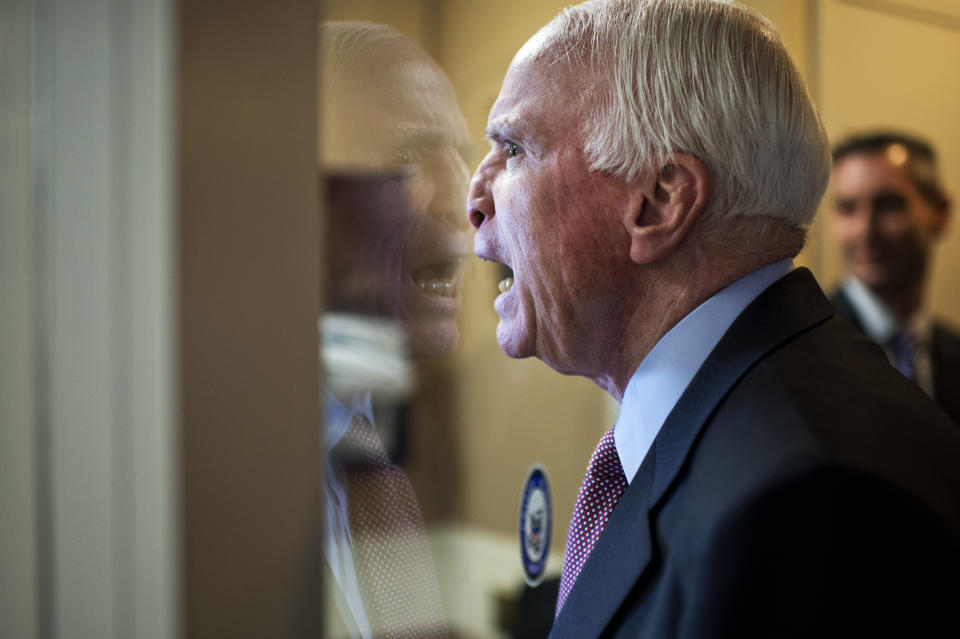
(543, 99)
(889, 168)
(869, 171)
(553, 50)
(569, 66)
(537, 48)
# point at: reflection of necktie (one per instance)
(602, 488)
(394, 566)
(904, 348)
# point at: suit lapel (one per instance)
(624, 550)
(789, 307)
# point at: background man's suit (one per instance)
(785, 460)
(944, 356)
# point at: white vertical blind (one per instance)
(104, 269)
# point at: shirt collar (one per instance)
(338, 415)
(879, 322)
(667, 370)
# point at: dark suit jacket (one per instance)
(800, 488)
(944, 356)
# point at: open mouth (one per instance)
(441, 279)
(506, 278)
(503, 272)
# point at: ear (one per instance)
(664, 206)
(944, 214)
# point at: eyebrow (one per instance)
(493, 134)
(425, 137)
(500, 129)
(410, 133)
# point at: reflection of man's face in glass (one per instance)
(391, 141)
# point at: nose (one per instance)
(859, 222)
(868, 223)
(479, 201)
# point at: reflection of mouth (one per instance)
(439, 279)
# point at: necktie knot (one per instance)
(605, 461)
(361, 446)
(903, 347)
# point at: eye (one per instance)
(513, 150)
(404, 156)
(845, 207)
(889, 202)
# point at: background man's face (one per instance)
(396, 180)
(884, 225)
(550, 219)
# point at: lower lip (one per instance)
(502, 304)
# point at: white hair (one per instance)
(704, 77)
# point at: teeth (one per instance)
(505, 285)
(442, 288)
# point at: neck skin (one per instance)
(668, 290)
(903, 299)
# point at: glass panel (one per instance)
(409, 343)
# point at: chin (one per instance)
(433, 341)
(874, 277)
(513, 345)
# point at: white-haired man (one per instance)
(654, 164)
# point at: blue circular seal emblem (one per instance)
(536, 519)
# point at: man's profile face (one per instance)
(396, 177)
(885, 227)
(539, 210)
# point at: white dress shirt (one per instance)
(881, 325)
(362, 355)
(668, 369)
(338, 543)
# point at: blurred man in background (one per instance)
(889, 211)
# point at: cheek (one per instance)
(416, 191)
(847, 232)
(521, 228)
(561, 228)
(924, 225)
(898, 228)
(850, 231)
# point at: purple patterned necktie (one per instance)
(904, 348)
(602, 488)
(390, 549)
